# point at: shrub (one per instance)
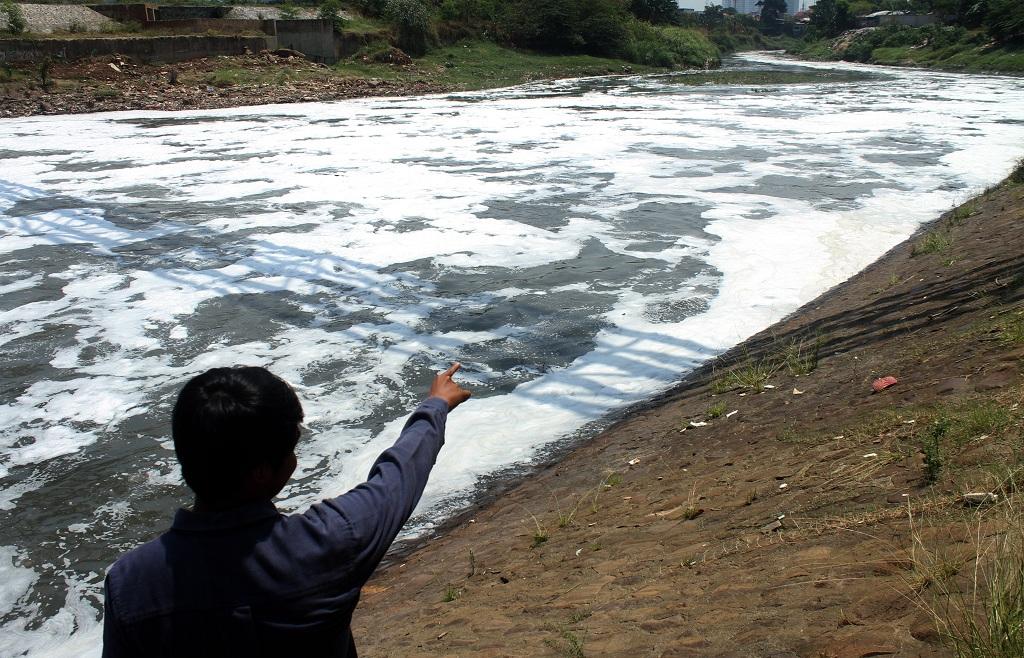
(289, 11)
(412, 20)
(330, 10)
(15, 19)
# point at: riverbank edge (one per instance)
(114, 84)
(523, 507)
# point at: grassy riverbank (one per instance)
(773, 504)
(946, 48)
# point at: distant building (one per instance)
(742, 6)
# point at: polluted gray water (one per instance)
(578, 245)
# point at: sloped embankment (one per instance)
(808, 516)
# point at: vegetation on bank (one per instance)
(643, 32)
(971, 35)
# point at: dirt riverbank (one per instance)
(111, 84)
(798, 514)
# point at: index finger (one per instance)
(452, 370)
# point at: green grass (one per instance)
(106, 92)
(931, 46)
(975, 596)
(801, 356)
(481, 64)
(961, 213)
(716, 411)
(1011, 329)
(934, 242)
(964, 58)
(568, 644)
(451, 593)
(752, 375)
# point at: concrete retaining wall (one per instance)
(312, 38)
(146, 49)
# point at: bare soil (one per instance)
(784, 529)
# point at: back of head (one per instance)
(226, 422)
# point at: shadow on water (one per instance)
(292, 267)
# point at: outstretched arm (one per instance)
(377, 509)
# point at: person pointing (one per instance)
(235, 577)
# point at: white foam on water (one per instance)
(359, 216)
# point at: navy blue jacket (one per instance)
(254, 582)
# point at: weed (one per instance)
(45, 71)
(932, 449)
(752, 375)
(6, 72)
(1017, 175)
(289, 11)
(451, 593)
(801, 358)
(224, 78)
(960, 213)
(937, 241)
(976, 418)
(1012, 329)
(566, 517)
(540, 535)
(613, 480)
(568, 645)
(751, 497)
(715, 411)
(579, 616)
(472, 564)
(977, 604)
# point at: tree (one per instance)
(412, 19)
(829, 18)
(772, 12)
(1005, 21)
(712, 16)
(655, 11)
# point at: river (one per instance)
(578, 245)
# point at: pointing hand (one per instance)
(446, 389)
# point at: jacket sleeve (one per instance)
(377, 509)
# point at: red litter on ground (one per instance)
(883, 383)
